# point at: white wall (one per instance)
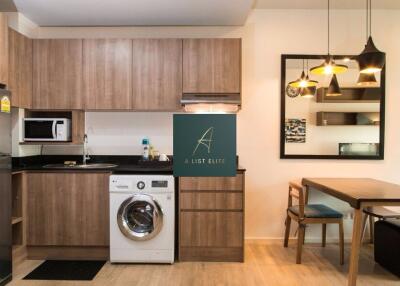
(266, 36)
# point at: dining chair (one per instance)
(305, 214)
(381, 213)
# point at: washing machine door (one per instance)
(140, 217)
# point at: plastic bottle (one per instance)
(146, 147)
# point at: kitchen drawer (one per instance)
(211, 201)
(211, 229)
(212, 183)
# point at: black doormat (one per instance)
(66, 270)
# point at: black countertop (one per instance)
(125, 164)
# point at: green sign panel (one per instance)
(204, 145)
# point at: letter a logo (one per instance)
(205, 140)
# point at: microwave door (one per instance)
(43, 130)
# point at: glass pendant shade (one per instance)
(328, 67)
(308, 92)
(334, 89)
(365, 79)
(303, 81)
(371, 60)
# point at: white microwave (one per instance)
(46, 129)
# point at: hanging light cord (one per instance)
(370, 17)
(328, 26)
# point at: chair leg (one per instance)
(371, 229)
(323, 234)
(341, 242)
(364, 224)
(287, 231)
(300, 239)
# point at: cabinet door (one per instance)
(211, 229)
(157, 74)
(57, 74)
(211, 65)
(3, 49)
(68, 209)
(20, 69)
(107, 69)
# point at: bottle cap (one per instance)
(145, 141)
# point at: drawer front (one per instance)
(211, 201)
(211, 229)
(212, 183)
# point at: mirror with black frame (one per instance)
(331, 111)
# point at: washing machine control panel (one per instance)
(159, 184)
(140, 185)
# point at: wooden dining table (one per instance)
(359, 193)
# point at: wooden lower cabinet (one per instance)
(67, 210)
(211, 218)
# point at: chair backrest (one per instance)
(297, 191)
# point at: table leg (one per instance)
(355, 247)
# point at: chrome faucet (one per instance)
(85, 154)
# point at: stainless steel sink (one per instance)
(81, 166)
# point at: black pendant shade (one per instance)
(334, 89)
(308, 92)
(365, 79)
(371, 59)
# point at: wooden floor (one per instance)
(267, 263)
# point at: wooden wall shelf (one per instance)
(16, 220)
(347, 118)
(351, 95)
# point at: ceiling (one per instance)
(135, 12)
(164, 12)
(322, 4)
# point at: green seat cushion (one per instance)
(317, 211)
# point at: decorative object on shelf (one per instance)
(367, 79)
(334, 89)
(371, 59)
(292, 91)
(308, 92)
(329, 66)
(295, 130)
(303, 80)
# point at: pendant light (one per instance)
(367, 80)
(329, 66)
(308, 92)
(303, 80)
(371, 59)
(334, 89)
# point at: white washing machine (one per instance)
(142, 218)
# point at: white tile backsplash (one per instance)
(121, 133)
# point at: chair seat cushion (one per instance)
(316, 211)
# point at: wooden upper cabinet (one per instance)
(211, 65)
(107, 69)
(20, 69)
(3, 49)
(57, 74)
(157, 74)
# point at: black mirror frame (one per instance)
(381, 155)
